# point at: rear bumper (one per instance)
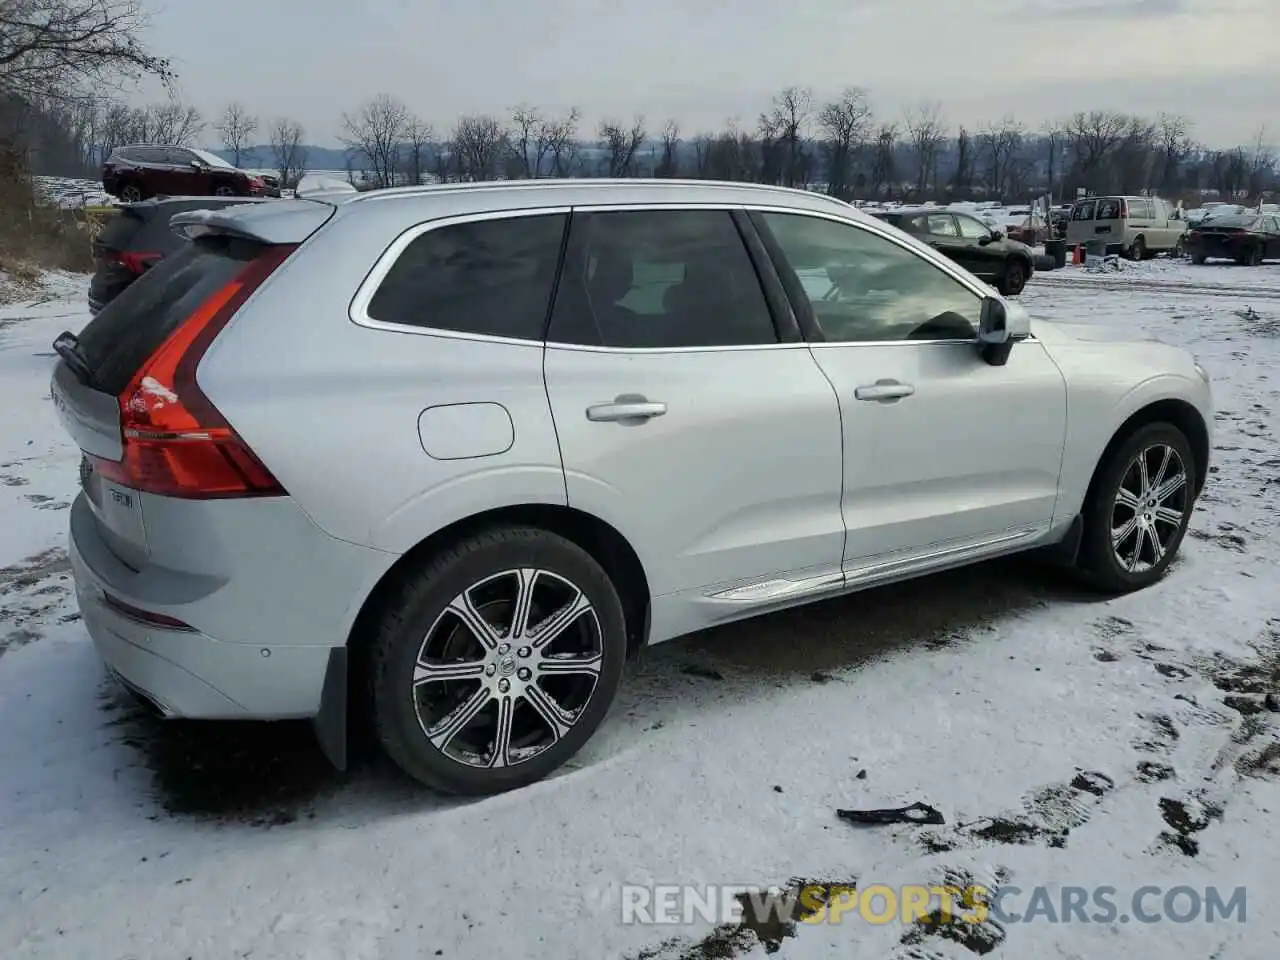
(258, 675)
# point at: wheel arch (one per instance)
(602, 541)
(1178, 413)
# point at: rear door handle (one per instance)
(885, 391)
(625, 408)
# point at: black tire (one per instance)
(415, 618)
(1197, 259)
(1137, 250)
(1254, 257)
(131, 193)
(1098, 560)
(223, 190)
(1014, 278)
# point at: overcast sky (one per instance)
(701, 61)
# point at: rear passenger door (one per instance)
(692, 417)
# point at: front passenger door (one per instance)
(946, 456)
(692, 418)
(985, 257)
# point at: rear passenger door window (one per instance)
(942, 225)
(488, 278)
(655, 279)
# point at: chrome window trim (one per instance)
(358, 311)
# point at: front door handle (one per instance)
(885, 391)
(626, 408)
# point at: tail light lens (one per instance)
(176, 443)
(136, 263)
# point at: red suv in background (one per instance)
(149, 170)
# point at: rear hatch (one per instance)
(125, 388)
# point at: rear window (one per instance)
(132, 326)
(1141, 210)
(121, 228)
(1238, 220)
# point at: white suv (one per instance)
(463, 449)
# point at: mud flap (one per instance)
(1065, 551)
(330, 724)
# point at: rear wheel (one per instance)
(1138, 509)
(222, 190)
(1254, 257)
(1014, 277)
(131, 193)
(1197, 258)
(1138, 249)
(496, 663)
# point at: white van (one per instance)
(1137, 227)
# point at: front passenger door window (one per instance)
(863, 287)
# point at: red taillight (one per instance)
(176, 443)
(137, 263)
(163, 621)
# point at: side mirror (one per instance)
(997, 235)
(197, 164)
(995, 332)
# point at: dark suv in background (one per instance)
(149, 170)
(988, 254)
(137, 238)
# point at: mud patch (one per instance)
(260, 774)
(1185, 818)
(1264, 763)
(1161, 734)
(1151, 772)
(33, 593)
(958, 923)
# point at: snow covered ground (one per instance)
(1068, 741)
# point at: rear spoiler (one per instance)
(281, 221)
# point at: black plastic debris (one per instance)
(918, 813)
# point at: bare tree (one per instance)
(845, 122)
(784, 137)
(884, 169)
(1052, 135)
(69, 49)
(287, 149)
(1262, 161)
(556, 146)
(999, 143)
(375, 133)
(962, 181)
(927, 133)
(235, 127)
(479, 142)
(417, 135)
(669, 166)
(620, 145)
(1092, 138)
(176, 123)
(526, 125)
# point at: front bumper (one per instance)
(185, 673)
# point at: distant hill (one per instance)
(318, 158)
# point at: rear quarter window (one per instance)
(131, 327)
(488, 277)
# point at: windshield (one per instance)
(212, 159)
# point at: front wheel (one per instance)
(497, 662)
(1197, 258)
(1138, 508)
(1013, 279)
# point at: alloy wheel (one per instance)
(507, 668)
(1149, 509)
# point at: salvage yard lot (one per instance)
(1067, 740)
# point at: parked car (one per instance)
(1246, 238)
(136, 239)
(152, 170)
(984, 252)
(449, 455)
(1136, 227)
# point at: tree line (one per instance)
(60, 60)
